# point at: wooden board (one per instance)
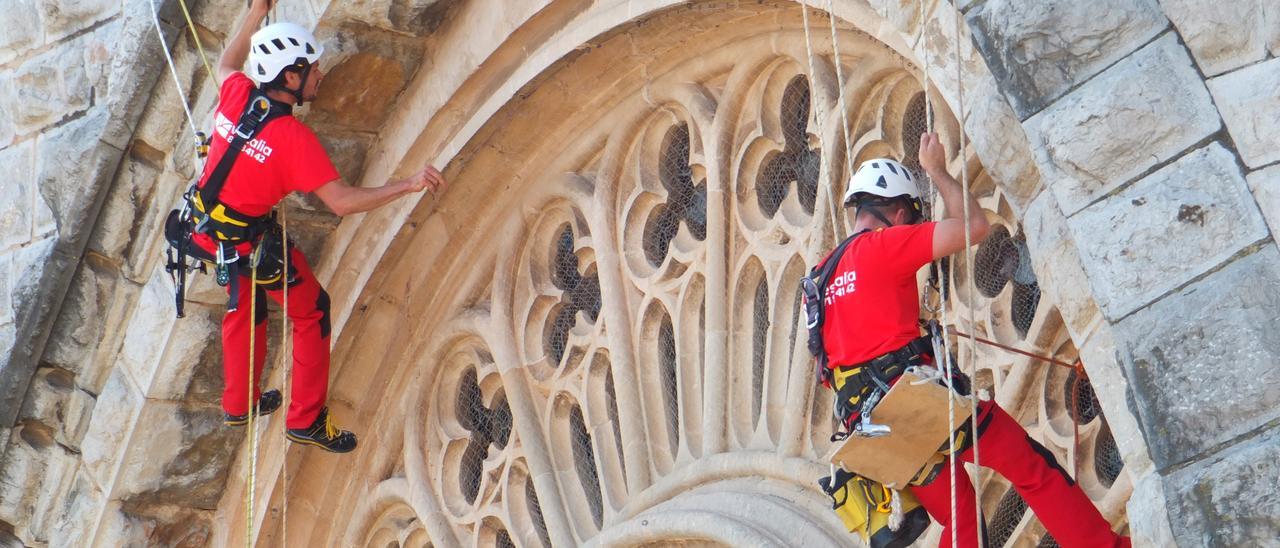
(917, 415)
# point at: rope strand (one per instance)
(817, 103)
(173, 70)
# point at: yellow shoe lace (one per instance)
(330, 431)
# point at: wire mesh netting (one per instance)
(797, 163)
(1080, 398)
(1004, 521)
(759, 346)
(581, 294)
(535, 514)
(611, 397)
(584, 460)
(502, 539)
(1001, 260)
(1106, 458)
(1047, 541)
(488, 425)
(686, 201)
(667, 359)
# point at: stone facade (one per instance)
(591, 337)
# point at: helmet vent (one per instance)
(294, 41)
(893, 169)
(881, 183)
(310, 50)
(278, 43)
(263, 48)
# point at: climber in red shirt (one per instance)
(872, 329)
(232, 205)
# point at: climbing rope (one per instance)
(968, 254)
(251, 431)
(195, 38)
(816, 102)
(173, 70)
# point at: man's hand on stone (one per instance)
(428, 179)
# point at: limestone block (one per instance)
(135, 67)
(1265, 184)
(372, 66)
(29, 265)
(1039, 50)
(1251, 109)
(119, 222)
(64, 18)
(180, 455)
(17, 186)
(1229, 499)
(53, 399)
(1142, 111)
(1148, 515)
(1101, 360)
(148, 332)
(1164, 230)
(1223, 35)
(20, 29)
(73, 152)
(35, 476)
(166, 525)
(6, 287)
(81, 321)
(79, 510)
(144, 251)
(1202, 366)
(110, 427)
(47, 88)
(347, 151)
(186, 365)
(1057, 264)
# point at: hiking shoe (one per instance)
(268, 402)
(323, 434)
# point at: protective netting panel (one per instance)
(797, 163)
(503, 539)
(581, 294)
(914, 124)
(584, 460)
(535, 514)
(667, 359)
(488, 425)
(1004, 521)
(1106, 458)
(1047, 541)
(1080, 399)
(686, 201)
(759, 345)
(1002, 260)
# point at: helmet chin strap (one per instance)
(874, 213)
(297, 94)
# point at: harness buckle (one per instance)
(259, 107)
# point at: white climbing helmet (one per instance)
(280, 45)
(881, 177)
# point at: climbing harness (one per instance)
(814, 290)
(870, 509)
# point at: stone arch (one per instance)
(409, 278)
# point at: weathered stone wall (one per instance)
(1154, 126)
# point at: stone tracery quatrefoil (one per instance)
(581, 294)
(686, 201)
(488, 425)
(797, 162)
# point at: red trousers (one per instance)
(1061, 505)
(309, 313)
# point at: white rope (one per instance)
(844, 112)
(814, 100)
(287, 389)
(173, 70)
(968, 253)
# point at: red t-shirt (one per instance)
(284, 157)
(873, 303)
